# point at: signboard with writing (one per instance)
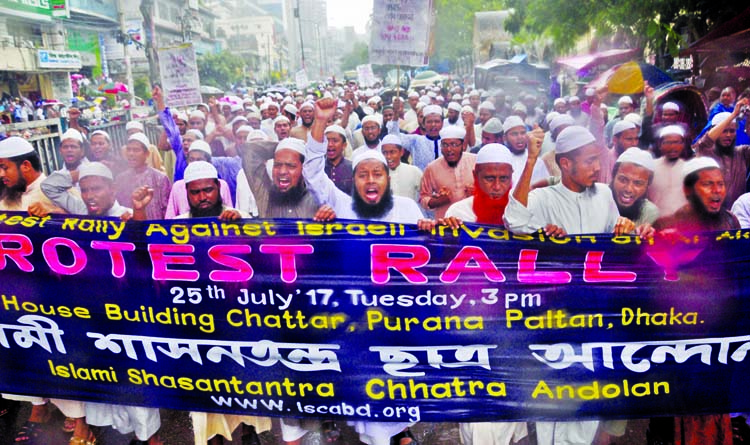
(61, 60)
(178, 68)
(36, 9)
(365, 76)
(300, 78)
(400, 32)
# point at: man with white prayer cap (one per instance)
(306, 114)
(71, 150)
(666, 188)
(405, 178)
(449, 178)
(139, 174)
(368, 137)
(574, 110)
(454, 115)
(290, 111)
(560, 105)
(625, 135)
(556, 125)
(720, 143)
(578, 204)
(632, 175)
(670, 113)
(492, 133)
(22, 176)
(517, 141)
(338, 168)
(281, 127)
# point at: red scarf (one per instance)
(487, 209)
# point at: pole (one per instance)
(398, 81)
(126, 53)
(301, 41)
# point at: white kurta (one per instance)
(405, 181)
(519, 162)
(591, 211)
(666, 189)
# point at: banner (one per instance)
(365, 76)
(400, 32)
(372, 321)
(178, 69)
(37, 10)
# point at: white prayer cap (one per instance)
(237, 119)
(200, 170)
(518, 106)
(247, 100)
(378, 119)
(264, 106)
(368, 110)
(551, 115)
(621, 126)
(196, 133)
(454, 106)
(413, 95)
(635, 155)
(367, 155)
(699, 163)
(558, 101)
(493, 126)
(487, 105)
(440, 99)
(291, 109)
(203, 105)
(431, 95)
(235, 107)
(573, 138)
(101, 133)
(392, 139)
(287, 100)
(197, 114)
(336, 129)
(200, 145)
(425, 100)
(254, 115)
(590, 92)
(94, 169)
(254, 109)
(574, 99)
(720, 117)
(466, 102)
(72, 133)
(273, 104)
(670, 106)
(256, 135)
(307, 104)
(280, 118)
(295, 144)
(372, 100)
(474, 93)
(15, 146)
(452, 132)
(494, 153)
(625, 100)
(467, 109)
(559, 121)
(634, 118)
(134, 125)
(182, 117)
(513, 122)
(246, 128)
(140, 137)
(456, 97)
(677, 130)
(432, 109)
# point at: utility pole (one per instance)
(125, 51)
(301, 41)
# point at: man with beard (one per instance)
(371, 197)
(633, 173)
(139, 174)
(405, 178)
(577, 205)
(625, 135)
(338, 168)
(719, 143)
(22, 176)
(574, 111)
(283, 194)
(454, 115)
(493, 178)
(492, 133)
(666, 189)
(368, 137)
(517, 141)
(624, 107)
(203, 194)
(449, 178)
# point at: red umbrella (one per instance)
(113, 88)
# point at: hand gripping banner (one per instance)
(372, 321)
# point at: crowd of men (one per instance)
(439, 156)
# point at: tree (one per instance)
(221, 70)
(359, 55)
(656, 25)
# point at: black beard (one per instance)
(703, 213)
(291, 197)
(633, 212)
(369, 142)
(307, 124)
(14, 193)
(372, 211)
(213, 211)
(725, 150)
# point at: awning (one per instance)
(612, 56)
